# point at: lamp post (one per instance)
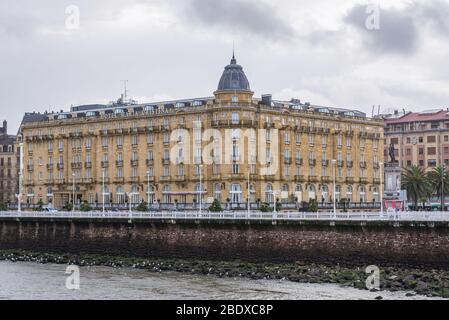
(334, 162)
(19, 196)
(201, 188)
(381, 190)
(73, 197)
(249, 193)
(103, 191)
(148, 190)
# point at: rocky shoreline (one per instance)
(429, 282)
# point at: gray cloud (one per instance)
(435, 13)
(397, 33)
(235, 16)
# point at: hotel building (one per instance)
(232, 146)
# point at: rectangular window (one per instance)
(431, 151)
(431, 139)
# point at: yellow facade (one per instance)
(155, 152)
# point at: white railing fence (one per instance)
(239, 215)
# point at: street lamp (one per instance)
(381, 190)
(19, 196)
(334, 162)
(103, 190)
(201, 188)
(274, 200)
(73, 197)
(148, 189)
(249, 192)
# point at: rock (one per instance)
(379, 298)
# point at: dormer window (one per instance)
(119, 111)
(180, 105)
(149, 108)
(62, 117)
(197, 103)
(90, 114)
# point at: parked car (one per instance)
(50, 210)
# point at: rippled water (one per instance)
(36, 281)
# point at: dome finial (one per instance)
(233, 60)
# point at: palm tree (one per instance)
(439, 183)
(414, 180)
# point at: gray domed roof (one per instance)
(233, 78)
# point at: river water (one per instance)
(22, 280)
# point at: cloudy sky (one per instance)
(322, 51)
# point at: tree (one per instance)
(313, 205)
(85, 207)
(265, 207)
(3, 207)
(415, 181)
(142, 207)
(216, 206)
(68, 206)
(40, 206)
(439, 183)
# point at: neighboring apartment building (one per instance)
(186, 151)
(8, 166)
(420, 139)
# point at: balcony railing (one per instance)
(76, 165)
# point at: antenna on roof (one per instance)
(126, 91)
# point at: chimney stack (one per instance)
(5, 127)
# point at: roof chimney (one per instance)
(5, 127)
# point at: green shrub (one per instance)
(313, 205)
(3, 207)
(40, 206)
(216, 206)
(142, 207)
(68, 207)
(265, 207)
(85, 207)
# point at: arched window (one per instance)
(150, 194)
(349, 193)
(106, 194)
(269, 193)
(325, 193)
(166, 194)
(285, 193)
(337, 193)
(121, 196)
(376, 194)
(217, 191)
(135, 195)
(312, 191)
(199, 196)
(298, 193)
(362, 194)
(236, 193)
(252, 193)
